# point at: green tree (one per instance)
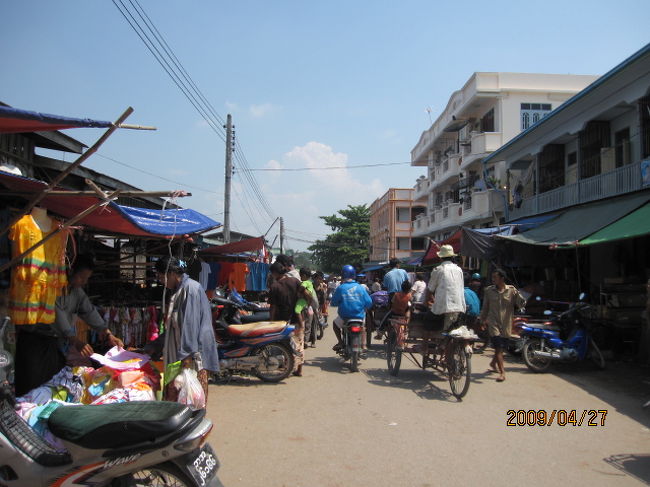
(348, 244)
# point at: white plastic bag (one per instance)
(190, 391)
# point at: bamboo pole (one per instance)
(133, 194)
(65, 225)
(39, 197)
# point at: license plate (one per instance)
(203, 465)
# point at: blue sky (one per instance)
(309, 84)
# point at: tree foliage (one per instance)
(348, 244)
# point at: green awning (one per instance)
(580, 222)
(636, 224)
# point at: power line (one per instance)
(170, 63)
(157, 176)
(326, 168)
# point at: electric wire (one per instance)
(157, 176)
(182, 79)
(326, 168)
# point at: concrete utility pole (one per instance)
(281, 235)
(226, 194)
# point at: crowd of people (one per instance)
(456, 295)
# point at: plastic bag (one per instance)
(190, 391)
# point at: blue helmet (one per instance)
(348, 272)
(476, 276)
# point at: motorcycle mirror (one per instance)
(547, 312)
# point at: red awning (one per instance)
(431, 257)
(247, 245)
(14, 120)
(113, 218)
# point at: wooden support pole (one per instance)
(39, 197)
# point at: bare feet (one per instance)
(501, 378)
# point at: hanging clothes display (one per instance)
(258, 273)
(204, 276)
(39, 277)
(213, 278)
(135, 326)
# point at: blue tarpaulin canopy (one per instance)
(14, 120)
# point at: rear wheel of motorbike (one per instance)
(277, 362)
(459, 370)
(163, 475)
(595, 355)
(534, 363)
(393, 355)
(354, 362)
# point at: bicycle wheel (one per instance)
(459, 369)
(393, 354)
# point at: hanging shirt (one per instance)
(204, 276)
(39, 277)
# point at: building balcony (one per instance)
(613, 183)
(477, 208)
(481, 144)
(421, 189)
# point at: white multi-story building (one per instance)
(488, 111)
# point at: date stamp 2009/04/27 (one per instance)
(560, 417)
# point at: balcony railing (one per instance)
(619, 181)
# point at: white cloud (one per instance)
(231, 107)
(273, 164)
(259, 111)
(302, 196)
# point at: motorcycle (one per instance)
(261, 348)
(124, 444)
(351, 349)
(236, 310)
(566, 338)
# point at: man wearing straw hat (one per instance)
(446, 289)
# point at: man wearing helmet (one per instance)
(351, 299)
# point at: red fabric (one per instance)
(432, 252)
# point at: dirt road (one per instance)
(334, 428)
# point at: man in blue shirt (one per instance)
(395, 277)
(351, 299)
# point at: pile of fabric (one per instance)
(124, 376)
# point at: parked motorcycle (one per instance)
(261, 348)
(566, 338)
(351, 349)
(236, 310)
(125, 444)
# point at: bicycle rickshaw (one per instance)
(427, 346)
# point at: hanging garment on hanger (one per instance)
(204, 275)
(258, 273)
(213, 278)
(237, 279)
(39, 277)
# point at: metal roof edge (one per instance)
(603, 79)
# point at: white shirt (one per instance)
(417, 291)
(448, 288)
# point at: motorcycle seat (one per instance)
(111, 426)
(256, 317)
(256, 329)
